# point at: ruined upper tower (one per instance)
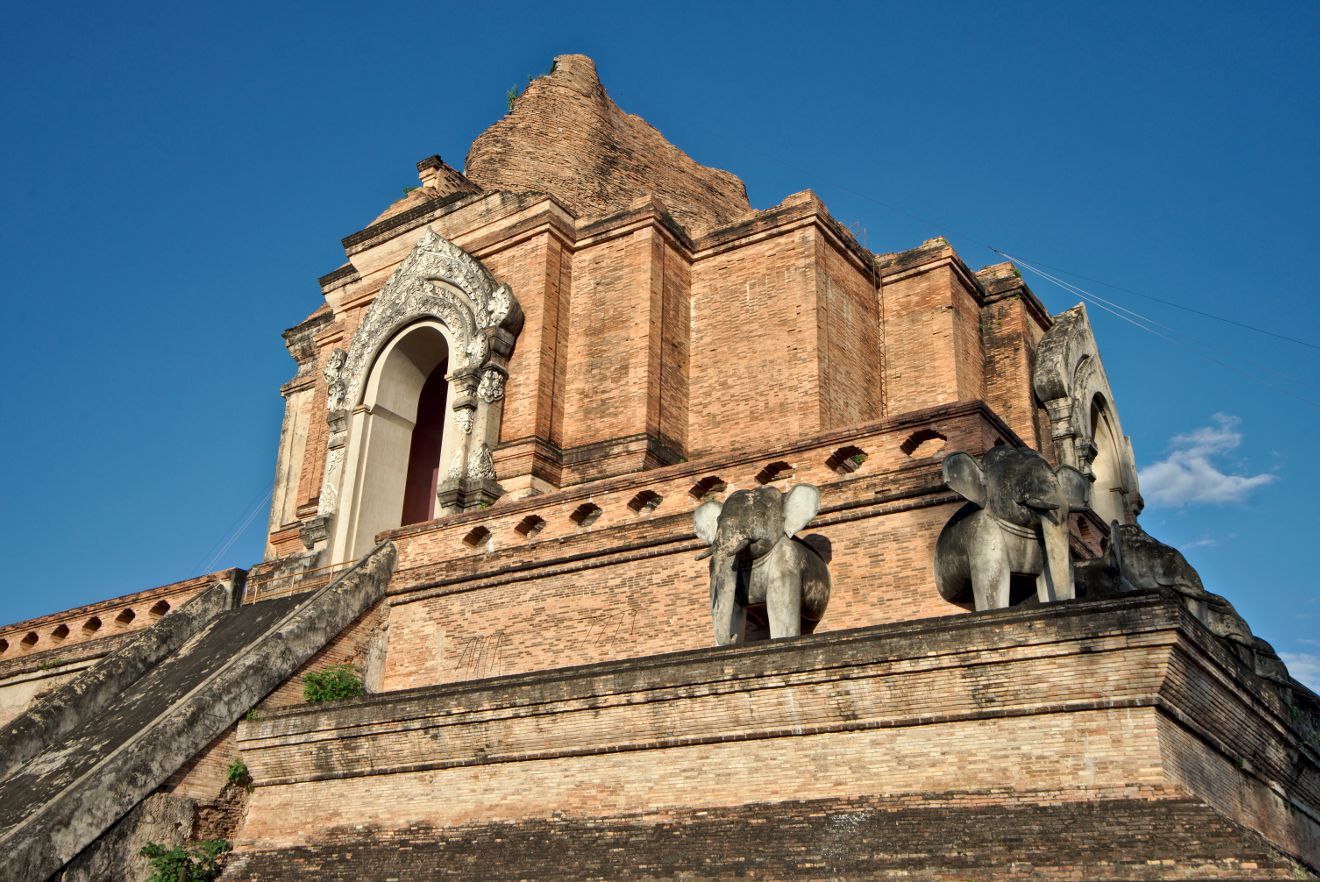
(564, 136)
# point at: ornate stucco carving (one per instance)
(437, 280)
(480, 464)
(334, 380)
(457, 469)
(1069, 379)
(334, 467)
(440, 282)
(492, 385)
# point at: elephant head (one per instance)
(1017, 523)
(754, 559)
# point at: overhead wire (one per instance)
(1124, 313)
(236, 532)
(1210, 315)
(1135, 318)
(976, 241)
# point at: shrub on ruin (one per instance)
(178, 864)
(238, 772)
(332, 684)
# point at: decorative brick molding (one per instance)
(1070, 704)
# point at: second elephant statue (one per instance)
(755, 559)
(1015, 523)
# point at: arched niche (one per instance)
(441, 310)
(381, 436)
(1109, 488)
(1070, 381)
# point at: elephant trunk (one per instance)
(725, 612)
(1058, 576)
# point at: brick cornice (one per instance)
(720, 461)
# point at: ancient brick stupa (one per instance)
(536, 392)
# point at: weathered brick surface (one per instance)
(1012, 323)
(1073, 703)
(677, 344)
(628, 585)
(769, 329)
(566, 137)
(932, 328)
(205, 775)
(949, 841)
(759, 302)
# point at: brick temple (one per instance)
(520, 384)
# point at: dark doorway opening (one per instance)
(424, 454)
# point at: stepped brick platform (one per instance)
(819, 839)
(970, 740)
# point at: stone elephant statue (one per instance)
(755, 558)
(1015, 523)
(1136, 561)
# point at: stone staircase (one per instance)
(87, 754)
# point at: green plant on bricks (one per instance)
(332, 684)
(179, 864)
(238, 773)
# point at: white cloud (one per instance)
(1304, 666)
(1188, 474)
(1199, 543)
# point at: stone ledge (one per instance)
(840, 681)
(948, 836)
(1126, 692)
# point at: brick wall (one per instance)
(755, 374)
(848, 325)
(1072, 704)
(856, 840)
(642, 346)
(628, 585)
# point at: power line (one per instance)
(1136, 319)
(236, 532)
(1184, 308)
(1171, 303)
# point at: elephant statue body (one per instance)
(755, 558)
(1136, 561)
(1015, 523)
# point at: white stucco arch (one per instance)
(1069, 379)
(380, 434)
(441, 303)
(1109, 489)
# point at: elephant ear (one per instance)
(963, 474)
(1075, 487)
(800, 506)
(706, 520)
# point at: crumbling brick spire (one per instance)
(566, 137)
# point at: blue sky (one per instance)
(178, 175)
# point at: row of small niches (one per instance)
(32, 641)
(843, 461)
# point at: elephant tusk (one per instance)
(705, 554)
(1039, 504)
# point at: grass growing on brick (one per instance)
(179, 864)
(332, 684)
